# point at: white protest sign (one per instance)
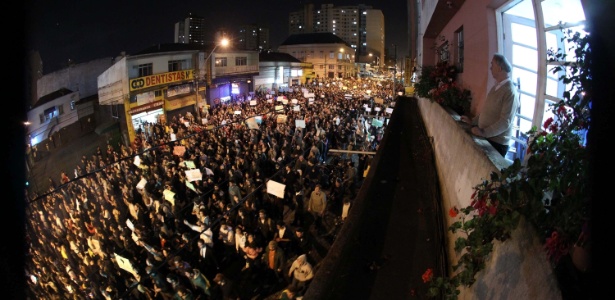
(193, 175)
(275, 188)
(141, 183)
(137, 161)
(252, 102)
(296, 108)
(294, 101)
(300, 123)
(388, 110)
(130, 225)
(125, 264)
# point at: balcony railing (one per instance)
(221, 71)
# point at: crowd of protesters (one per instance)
(132, 222)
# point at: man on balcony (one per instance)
(495, 121)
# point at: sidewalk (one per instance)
(64, 158)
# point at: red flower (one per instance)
(493, 209)
(427, 276)
(453, 212)
(547, 123)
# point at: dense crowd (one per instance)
(193, 209)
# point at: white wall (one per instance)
(80, 77)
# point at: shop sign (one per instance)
(146, 107)
(160, 79)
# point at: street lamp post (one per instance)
(395, 70)
(342, 61)
(224, 42)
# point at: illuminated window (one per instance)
(221, 62)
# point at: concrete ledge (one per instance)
(517, 268)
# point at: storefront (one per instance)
(157, 98)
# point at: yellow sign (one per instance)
(409, 90)
(160, 79)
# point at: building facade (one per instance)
(61, 99)
(330, 56)
(280, 71)
(172, 80)
(190, 30)
(361, 26)
(253, 37)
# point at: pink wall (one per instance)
(478, 20)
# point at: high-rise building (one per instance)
(361, 26)
(190, 30)
(253, 37)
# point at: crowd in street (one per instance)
(193, 208)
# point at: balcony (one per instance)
(397, 225)
(234, 70)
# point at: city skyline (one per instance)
(83, 31)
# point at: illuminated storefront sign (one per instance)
(146, 107)
(160, 79)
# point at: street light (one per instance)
(223, 42)
(342, 52)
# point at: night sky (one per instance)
(85, 30)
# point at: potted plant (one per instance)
(453, 96)
(439, 83)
